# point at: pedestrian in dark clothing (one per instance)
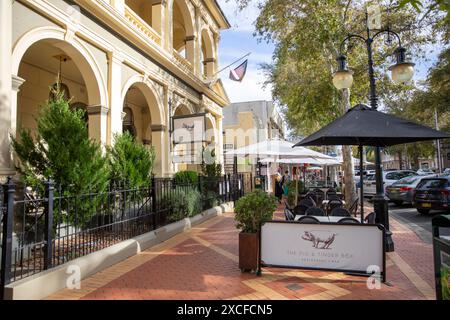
(279, 188)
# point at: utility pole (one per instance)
(438, 143)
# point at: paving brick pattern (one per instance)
(202, 263)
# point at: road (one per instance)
(421, 224)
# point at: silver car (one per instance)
(403, 190)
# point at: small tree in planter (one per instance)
(252, 211)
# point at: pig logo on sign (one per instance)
(322, 238)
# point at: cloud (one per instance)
(240, 20)
(250, 89)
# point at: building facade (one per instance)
(247, 123)
(131, 64)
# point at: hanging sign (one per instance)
(356, 248)
(189, 129)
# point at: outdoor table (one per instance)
(321, 218)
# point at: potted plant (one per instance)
(252, 211)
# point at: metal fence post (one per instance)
(5, 274)
(48, 236)
(153, 197)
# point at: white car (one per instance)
(389, 177)
(424, 172)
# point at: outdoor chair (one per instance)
(313, 211)
(308, 219)
(334, 204)
(308, 202)
(340, 212)
(288, 215)
(300, 210)
(333, 197)
(370, 219)
(348, 220)
(319, 195)
(354, 207)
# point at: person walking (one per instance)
(285, 183)
(278, 187)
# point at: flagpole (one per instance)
(223, 69)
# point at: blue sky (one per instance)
(239, 40)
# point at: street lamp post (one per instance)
(402, 72)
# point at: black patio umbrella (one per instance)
(364, 126)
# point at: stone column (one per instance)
(6, 164)
(220, 142)
(168, 25)
(210, 65)
(191, 52)
(216, 37)
(98, 121)
(159, 143)
(17, 82)
(158, 16)
(115, 90)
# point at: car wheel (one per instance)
(423, 211)
(398, 203)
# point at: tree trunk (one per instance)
(349, 170)
(400, 159)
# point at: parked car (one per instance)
(403, 190)
(424, 172)
(432, 194)
(447, 171)
(388, 179)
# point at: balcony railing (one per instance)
(141, 25)
(182, 61)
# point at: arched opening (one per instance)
(142, 116)
(42, 65)
(187, 150)
(137, 117)
(207, 55)
(183, 31)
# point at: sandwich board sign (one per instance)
(355, 248)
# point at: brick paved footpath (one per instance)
(202, 263)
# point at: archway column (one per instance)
(220, 142)
(116, 103)
(191, 52)
(6, 164)
(160, 138)
(98, 121)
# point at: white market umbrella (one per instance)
(276, 147)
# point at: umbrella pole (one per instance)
(361, 178)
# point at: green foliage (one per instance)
(186, 177)
(183, 203)
(211, 174)
(253, 210)
(61, 150)
(210, 199)
(307, 35)
(130, 161)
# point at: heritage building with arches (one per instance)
(131, 64)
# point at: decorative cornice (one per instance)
(17, 82)
(97, 109)
(158, 128)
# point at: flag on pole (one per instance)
(239, 73)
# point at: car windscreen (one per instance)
(398, 175)
(433, 184)
(407, 180)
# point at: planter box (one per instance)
(248, 251)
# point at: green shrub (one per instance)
(183, 203)
(186, 177)
(253, 210)
(130, 161)
(210, 199)
(61, 149)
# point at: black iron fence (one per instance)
(41, 230)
